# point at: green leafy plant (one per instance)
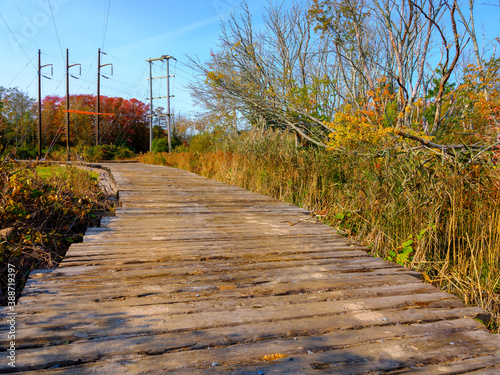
(403, 254)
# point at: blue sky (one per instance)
(135, 31)
(129, 32)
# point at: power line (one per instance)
(185, 109)
(186, 65)
(124, 129)
(92, 82)
(18, 74)
(122, 132)
(106, 24)
(161, 80)
(87, 89)
(128, 62)
(174, 76)
(180, 101)
(182, 70)
(183, 90)
(88, 70)
(24, 19)
(55, 28)
(130, 123)
(33, 80)
(186, 78)
(14, 35)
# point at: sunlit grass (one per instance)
(61, 172)
(81, 181)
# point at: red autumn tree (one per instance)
(124, 121)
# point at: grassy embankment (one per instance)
(417, 208)
(43, 210)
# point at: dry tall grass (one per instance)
(423, 210)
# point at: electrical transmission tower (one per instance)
(169, 129)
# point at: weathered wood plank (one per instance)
(194, 276)
(86, 350)
(340, 352)
(313, 291)
(164, 318)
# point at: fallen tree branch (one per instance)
(429, 144)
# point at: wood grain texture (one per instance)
(195, 276)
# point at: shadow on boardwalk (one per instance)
(194, 276)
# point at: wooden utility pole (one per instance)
(169, 114)
(98, 95)
(150, 104)
(164, 57)
(99, 66)
(169, 128)
(67, 101)
(39, 130)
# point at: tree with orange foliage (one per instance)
(128, 126)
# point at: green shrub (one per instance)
(107, 152)
(160, 145)
(201, 142)
(23, 152)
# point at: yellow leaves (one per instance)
(214, 78)
(250, 50)
(368, 123)
(271, 92)
(236, 45)
(419, 102)
(273, 357)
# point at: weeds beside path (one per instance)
(42, 212)
(422, 210)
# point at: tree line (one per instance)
(125, 123)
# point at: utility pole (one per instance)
(150, 104)
(99, 66)
(67, 101)
(168, 105)
(164, 57)
(40, 66)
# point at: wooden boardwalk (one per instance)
(196, 277)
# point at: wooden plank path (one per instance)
(196, 277)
